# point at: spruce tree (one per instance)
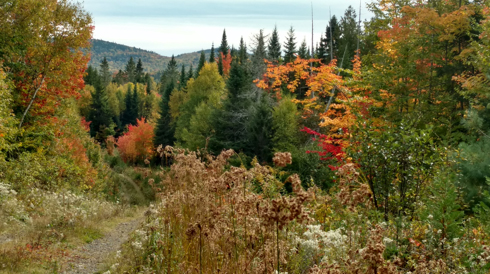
(100, 113)
(139, 74)
(321, 51)
(105, 74)
(348, 40)
(259, 129)
(165, 129)
(128, 111)
(190, 74)
(242, 51)
(131, 70)
(183, 77)
(211, 57)
(233, 52)
(148, 86)
(274, 47)
(230, 122)
(135, 102)
(224, 48)
(290, 47)
(332, 36)
(304, 52)
(202, 61)
(220, 64)
(120, 78)
(92, 77)
(170, 74)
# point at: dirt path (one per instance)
(90, 258)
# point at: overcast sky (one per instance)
(175, 27)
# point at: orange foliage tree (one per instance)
(137, 143)
(42, 46)
(226, 61)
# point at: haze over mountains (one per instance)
(118, 55)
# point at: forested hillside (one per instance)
(118, 55)
(367, 152)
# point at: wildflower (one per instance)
(430, 217)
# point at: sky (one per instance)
(176, 27)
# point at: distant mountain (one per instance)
(118, 55)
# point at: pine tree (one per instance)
(290, 47)
(211, 57)
(131, 70)
(128, 110)
(304, 52)
(202, 61)
(120, 78)
(274, 47)
(242, 51)
(233, 52)
(139, 72)
(105, 74)
(224, 48)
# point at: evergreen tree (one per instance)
(202, 61)
(230, 122)
(128, 110)
(165, 129)
(259, 129)
(304, 52)
(220, 64)
(274, 47)
(321, 52)
(224, 48)
(183, 77)
(131, 70)
(105, 74)
(120, 78)
(233, 52)
(211, 57)
(290, 47)
(190, 74)
(92, 77)
(139, 74)
(331, 41)
(100, 113)
(148, 86)
(242, 51)
(135, 102)
(258, 66)
(170, 75)
(348, 40)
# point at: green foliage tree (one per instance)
(170, 75)
(183, 77)
(230, 122)
(139, 72)
(224, 48)
(290, 46)
(274, 47)
(131, 70)
(348, 40)
(242, 51)
(190, 74)
(211, 56)
(165, 128)
(92, 76)
(105, 74)
(304, 51)
(202, 61)
(285, 125)
(207, 91)
(260, 130)
(100, 114)
(331, 40)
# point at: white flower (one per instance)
(430, 217)
(387, 241)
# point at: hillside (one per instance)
(118, 55)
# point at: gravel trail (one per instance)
(91, 257)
